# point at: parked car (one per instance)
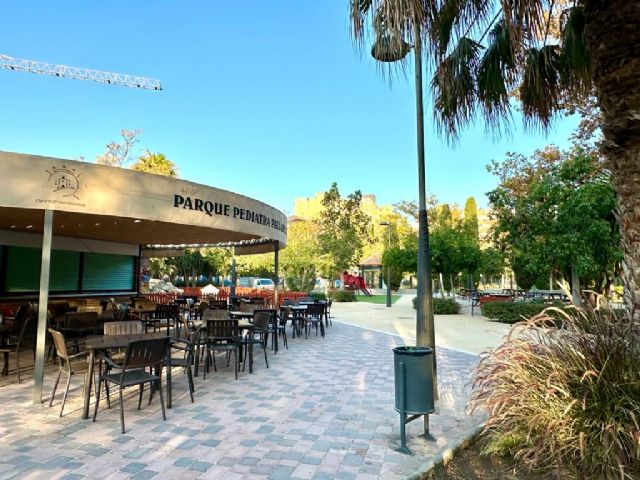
(263, 283)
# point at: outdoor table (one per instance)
(241, 315)
(106, 342)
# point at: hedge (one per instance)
(318, 296)
(342, 295)
(513, 312)
(442, 306)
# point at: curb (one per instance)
(445, 456)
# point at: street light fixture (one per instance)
(388, 225)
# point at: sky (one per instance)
(268, 99)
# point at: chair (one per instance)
(126, 327)
(328, 312)
(186, 341)
(221, 335)
(218, 304)
(315, 316)
(257, 336)
(281, 324)
(165, 316)
(64, 364)
(21, 337)
(140, 354)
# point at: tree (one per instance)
(562, 222)
(471, 218)
(117, 154)
(343, 230)
(299, 259)
(156, 163)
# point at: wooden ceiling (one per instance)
(114, 229)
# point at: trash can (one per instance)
(413, 371)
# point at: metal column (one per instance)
(234, 279)
(38, 372)
(276, 251)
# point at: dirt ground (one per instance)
(468, 464)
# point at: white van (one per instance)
(263, 283)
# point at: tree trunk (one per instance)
(613, 38)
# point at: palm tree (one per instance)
(542, 54)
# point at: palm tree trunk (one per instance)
(613, 38)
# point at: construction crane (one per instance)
(77, 73)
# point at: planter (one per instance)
(413, 370)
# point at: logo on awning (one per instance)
(64, 181)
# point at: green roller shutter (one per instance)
(23, 270)
(65, 271)
(108, 272)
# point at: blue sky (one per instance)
(265, 98)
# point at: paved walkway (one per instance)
(323, 410)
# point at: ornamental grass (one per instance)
(565, 396)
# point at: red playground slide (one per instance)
(355, 282)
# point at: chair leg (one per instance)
(5, 364)
(66, 390)
(140, 395)
(121, 409)
(18, 364)
(190, 378)
(235, 361)
(55, 386)
(164, 416)
(264, 349)
(95, 409)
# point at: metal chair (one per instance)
(140, 354)
(221, 335)
(315, 316)
(64, 364)
(22, 337)
(186, 341)
(257, 336)
(126, 327)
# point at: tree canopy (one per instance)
(156, 163)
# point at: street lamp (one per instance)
(388, 225)
(387, 49)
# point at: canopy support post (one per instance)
(234, 278)
(38, 372)
(276, 251)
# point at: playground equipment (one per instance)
(355, 282)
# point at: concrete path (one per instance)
(322, 410)
(473, 334)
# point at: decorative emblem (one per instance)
(64, 181)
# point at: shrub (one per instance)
(318, 296)
(565, 399)
(513, 312)
(442, 306)
(342, 295)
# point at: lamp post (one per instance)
(385, 50)
(388, 225)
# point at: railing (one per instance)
(164, 298)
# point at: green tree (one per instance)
(299, 259)
(471, 218)
(492, 262)
(156, 163)
(343, 230)
(563, 222)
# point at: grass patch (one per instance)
(377, 299)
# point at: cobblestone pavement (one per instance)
(322, 410)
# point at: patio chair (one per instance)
(126, 327)
(328, 312)
(221, 335)
(186, 342)
(21, 337)
(257, 336)
(65, 361)
(315, 316)
(140, 355)
(281, 324)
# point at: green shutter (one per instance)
(23, 269)
(65, 270)
(107, 272)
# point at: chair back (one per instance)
(223, 330)
(215, 315)
(261, 320)
(126, 327)
(60, 343)
(258, 301)
(146, 353)
(81, 320)
(285, 314)
(29, 330)
(167, 312)
(89, 308)
(315, 309)
(218, 304)
(19, 319)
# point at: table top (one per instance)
(118, 341)
(237, 313)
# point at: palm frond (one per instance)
(496, 77)
(454, 87)
(525, 19)
(540, 88)
(456, 19)
(576, 64)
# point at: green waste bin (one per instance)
(413, 368)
